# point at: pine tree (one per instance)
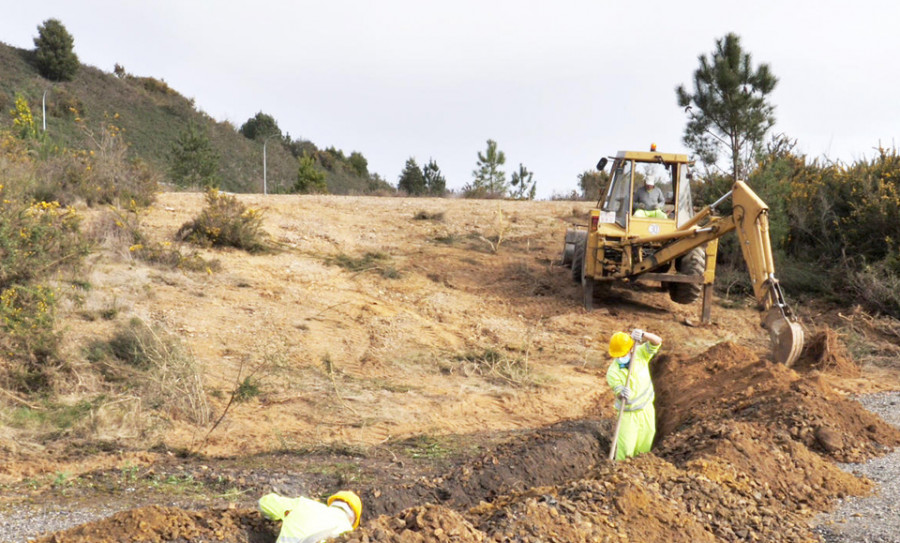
(54, 51)
(359, 164)
(412, 181)
(435, 184)
(260, 126)
(592, 183)
(310, 179)
(489, 178)
(731, 104)
(193, 160)
(523, 184)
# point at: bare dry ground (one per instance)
(433, 351)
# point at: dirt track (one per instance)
(382, 370)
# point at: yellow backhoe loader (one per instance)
(645, 229)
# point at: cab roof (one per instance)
(648, 156)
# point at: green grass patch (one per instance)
(370, 261)
(55, 416)
(247, 390)
(427, 447)
(345, 472)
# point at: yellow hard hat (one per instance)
(620, 344)
(350, 498)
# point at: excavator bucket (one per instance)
(786, 336)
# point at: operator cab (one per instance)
(648, 193)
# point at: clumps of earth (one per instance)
(746, 451)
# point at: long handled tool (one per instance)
(615, 439)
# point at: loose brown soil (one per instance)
(385, 383)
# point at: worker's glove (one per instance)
(640, 205)
(637, 335)
(657, 206)
(625, 394)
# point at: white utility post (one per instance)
(44, 110)
(266, 141)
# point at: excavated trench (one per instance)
(746, 451)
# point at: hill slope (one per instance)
(389, 348)
(152, 115)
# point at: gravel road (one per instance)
(873, 519)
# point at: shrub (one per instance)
(23, 120)
(119, 231)
(226, 222)
(27, 318)
(154, 85)
(309, 178)
(37, 239)
(54, 51)
(102, 175)
(64, 104)
(877, 287)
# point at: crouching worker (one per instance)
(638, 423)
(309, 521)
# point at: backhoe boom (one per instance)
(750, 218)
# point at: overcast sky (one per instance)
(557, 84)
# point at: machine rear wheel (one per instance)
(578, 256)
(569, 247)
(693, 263)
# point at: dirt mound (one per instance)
(825, 352)
(418, 525)
(156, 524)
(729, 384)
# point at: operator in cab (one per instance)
(649, 200)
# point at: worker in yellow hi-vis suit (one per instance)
(638, 426)
(310, 521)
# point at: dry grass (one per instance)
(158, 370)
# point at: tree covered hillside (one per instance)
(151, 116)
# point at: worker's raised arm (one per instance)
(652, 338)
(640, 336)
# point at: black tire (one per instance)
(578, 257)
(568, 253)
(693, 263)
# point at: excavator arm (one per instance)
(750, 219)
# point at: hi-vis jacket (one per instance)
(304, 520)
(641, 384)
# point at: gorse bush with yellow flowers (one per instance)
(36, 240)
(226, 222)
(835, 228)
(102, 174)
